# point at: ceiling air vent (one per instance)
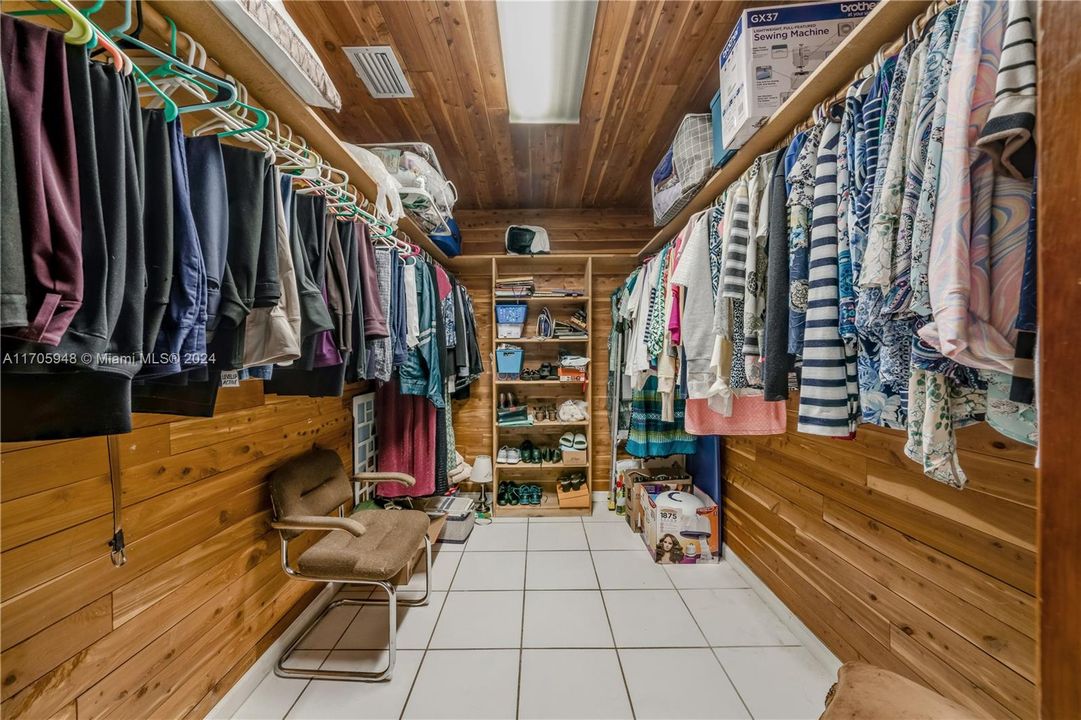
(378, 67)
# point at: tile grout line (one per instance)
(521, 628)
(438, 617)
(615, 645)
(710, 648)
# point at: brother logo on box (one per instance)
(769, 54)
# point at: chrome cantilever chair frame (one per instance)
(391, 602)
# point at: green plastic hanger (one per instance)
(226, 91)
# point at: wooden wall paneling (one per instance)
(1058, 135)
(473, 416)
(202, 588)
(570, 230)
(886, 565)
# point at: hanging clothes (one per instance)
(46, 172)
(649, 435)
(828, 381)
(406, 427)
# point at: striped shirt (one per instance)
(824, 404)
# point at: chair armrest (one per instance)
(319, 522)
(407, 480)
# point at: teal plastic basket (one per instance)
(508, 363)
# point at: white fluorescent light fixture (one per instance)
(545, 54)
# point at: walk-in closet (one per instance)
(541, 359)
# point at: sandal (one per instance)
(547, 372)
(566, 441)
(579, 441)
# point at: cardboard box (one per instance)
(682, 535)
(579, 498)
(572, 375)
(769, 54)
(659, 474)
(575, 457)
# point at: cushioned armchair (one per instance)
(368, 548)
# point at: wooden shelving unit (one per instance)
(570, 272)
(883, 25)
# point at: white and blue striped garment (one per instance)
(825, 400)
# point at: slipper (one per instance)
(579, 441)
(566, 441)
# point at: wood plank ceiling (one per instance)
(650, 63)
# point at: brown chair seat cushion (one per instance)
(391, 541)
(866, 692)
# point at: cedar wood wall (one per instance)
(202, 594)
(888, 566)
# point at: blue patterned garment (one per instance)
(899, 295)
(716, 215)
(801, 180)
(849, 175)
(884, 359)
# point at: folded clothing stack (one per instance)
(460, 471)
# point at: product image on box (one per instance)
(682, 528)
(770, 52)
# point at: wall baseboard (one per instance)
(807, 638)
(245, 686)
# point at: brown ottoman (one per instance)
(866, 692)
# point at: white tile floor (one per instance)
(560, 618)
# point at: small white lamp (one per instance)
(482, 475)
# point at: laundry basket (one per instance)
(510, 320)
(684, 168)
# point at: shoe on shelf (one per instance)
(513, 456)
(557, 456)
(502, 457)
(502, 497)
(579, 441)
(513, 494)
(566, 441)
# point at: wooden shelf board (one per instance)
(550, 300)
(547, 509)
(542, 341)
(541, 466)
(557, 263)
(884, 24)
(537, 382)
(542, 425)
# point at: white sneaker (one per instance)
(501, 456)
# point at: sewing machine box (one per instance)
(769, 54)
(682, 535)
